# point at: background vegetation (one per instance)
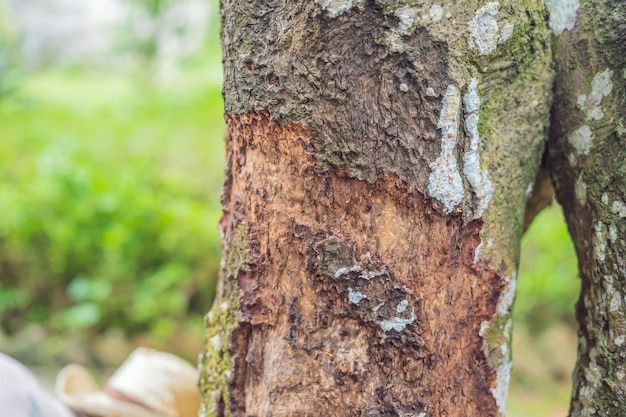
(109, 194)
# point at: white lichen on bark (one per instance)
(580, 190)
(500, 353)
(406, 15)
(506, 32)
(335, 7)
(435, 12)
(508, 296)
(601, 86)
(599, 244)
(562, 14)
(484, 31)
(401, 307)
(619, 208)
(581, 140)
(503, 374)
(346, 270)
(478, 179)
(355, 297)
(445, 183)
(396, 323)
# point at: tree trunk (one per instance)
(380, 154)
(588, 159)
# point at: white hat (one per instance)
(21, 394)
(148, 384)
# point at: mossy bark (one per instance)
(588, 161)
(380, 155)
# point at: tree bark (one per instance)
(588, 161)
(380, 155)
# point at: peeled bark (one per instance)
(588, 160)
(380, 155)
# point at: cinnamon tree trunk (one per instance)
(588, 157)
(380, 157)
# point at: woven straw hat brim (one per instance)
(76, 389)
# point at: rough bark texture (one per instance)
(588, 159)
(380, 155)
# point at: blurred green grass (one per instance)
(109, 186)
(548, 284)
(544, 335)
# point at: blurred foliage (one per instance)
(548, 283)
(153, 7)
(160, 33)
(144, 42)
(8, 53)
(109, 192)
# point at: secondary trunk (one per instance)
(588, 160)
(380, 154)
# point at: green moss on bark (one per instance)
(216, 362)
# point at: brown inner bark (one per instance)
(359, 298)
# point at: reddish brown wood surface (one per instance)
(358, 298)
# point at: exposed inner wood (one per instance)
(358, 298)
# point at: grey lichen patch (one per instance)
(503, 376)
(435, 12)
(478, 179)
(396, 323)
(506, 32)
(445, 183)
(335, 7)
(484, 31)
(346, 270)
(562, 14)
(581, 140)
(406, 15)
(401, 307)
(355, 297)
(601, 86)
(591, 381)
(619, 208)
(496, 336)
(599, 244)
(507, 297)
(612, 297)
(621, 127)
(612, 233)
(496, 341)
(471, 99)
(604, 198)
(580, 190)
